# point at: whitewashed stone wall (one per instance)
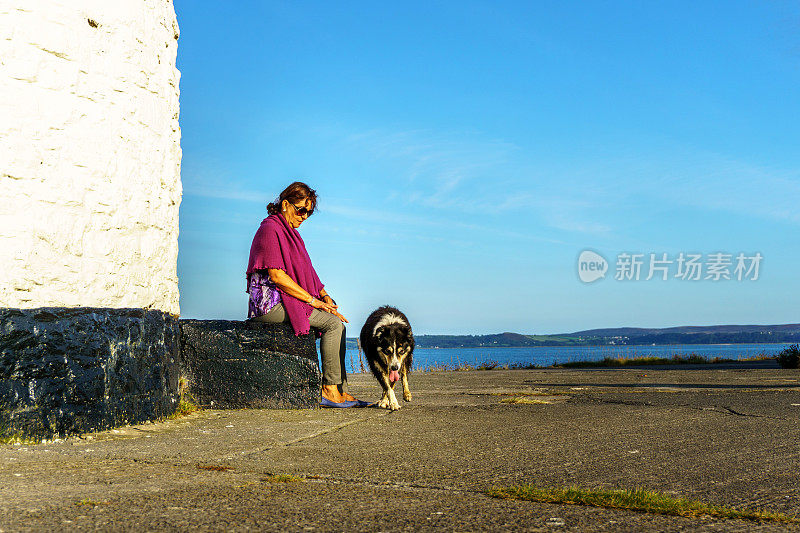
(89, 154)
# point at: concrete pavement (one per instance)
(722, 435)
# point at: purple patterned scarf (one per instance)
(278, 245)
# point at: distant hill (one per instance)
(498, 340)
(613, 332)
(724, 334)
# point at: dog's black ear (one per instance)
(382, 336)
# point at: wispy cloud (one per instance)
(375, 222)
(575, 211)
(469, 174)
(436, 168)
(717, 182)
(747, 191)
(208, 178)
(462, 174)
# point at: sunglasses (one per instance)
(303, 211)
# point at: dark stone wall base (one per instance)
(67, 371)
(232, 364)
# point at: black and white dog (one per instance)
(388, 344)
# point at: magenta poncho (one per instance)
(278, 245)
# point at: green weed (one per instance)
(282, 478)
(18, 439)
(87, 501)
(790, 357)
(524, 399)
(636, 500)
(186, 405)
(215, 468)
(692, 359)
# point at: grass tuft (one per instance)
(790, 357)
(692, 359)
(642, 500)
(186, 405)
(87, 501)
(436, 368)
(522, 366)
(18, 440)
(635, 360)
(282, 478)
(534, 393)
(524, 399)
(215, 468)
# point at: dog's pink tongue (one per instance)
(394, 376)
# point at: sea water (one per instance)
(548, 355)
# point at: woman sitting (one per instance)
(283, 285)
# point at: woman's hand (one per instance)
(328, 300)
(324, 306)
(290, 287)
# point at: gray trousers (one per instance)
(331, 346)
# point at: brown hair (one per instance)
(294, 193)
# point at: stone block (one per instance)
(232, 364)
(67, 371)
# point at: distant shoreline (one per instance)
(682, 335)
(516, 340)
(586, 345)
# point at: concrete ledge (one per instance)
(233, 364)
(75, 370)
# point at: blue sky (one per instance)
(465, 153)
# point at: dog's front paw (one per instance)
(384, 403)
(394, 406)
(407, 396)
